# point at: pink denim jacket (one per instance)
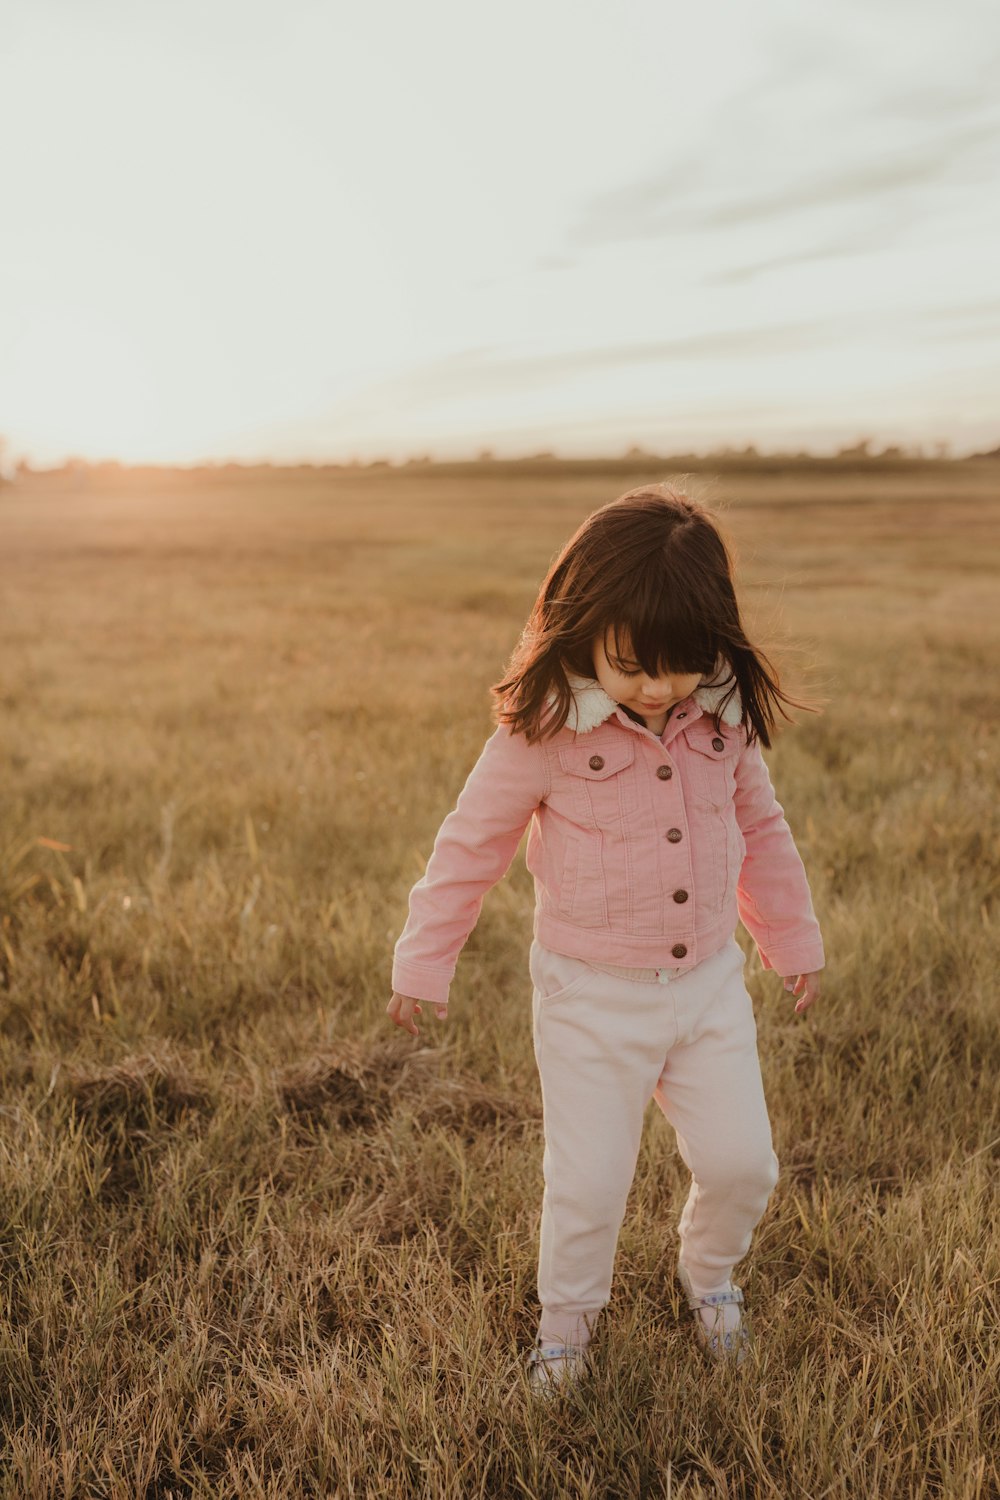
(645, 850)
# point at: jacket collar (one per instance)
(591, 705)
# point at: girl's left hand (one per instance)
(806, 986)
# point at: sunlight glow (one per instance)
(88, 380)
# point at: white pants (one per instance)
(604, 1044)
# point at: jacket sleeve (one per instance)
(772, 895)
(474, 848)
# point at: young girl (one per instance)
(629, 737)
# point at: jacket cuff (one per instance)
(421, 982)
(789, 962)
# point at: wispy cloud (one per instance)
(857, 244)
(654, 207)
(977, 321)
(915, 167)
(555, 263)
(488, 371)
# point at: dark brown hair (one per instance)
(654, 565)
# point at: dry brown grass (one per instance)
(257, 1242)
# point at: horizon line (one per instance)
(941, 451)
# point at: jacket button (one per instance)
(596, 762)
(680, 895)
(718, 744)
(682, 716)
(679, 950)
(674, 835)
(664, 772)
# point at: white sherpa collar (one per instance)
(591, 705)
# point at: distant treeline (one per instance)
(860, 455)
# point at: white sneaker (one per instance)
(553, 1368)
(728, 1343)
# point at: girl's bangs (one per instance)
(669, 645)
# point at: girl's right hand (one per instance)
(401, 1008)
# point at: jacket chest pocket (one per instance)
(600, 783)
(713, 765)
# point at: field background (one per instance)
(256, 1240)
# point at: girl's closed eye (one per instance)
(649, 689)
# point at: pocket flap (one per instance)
(597, 763)
(704, 739)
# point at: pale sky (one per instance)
(314, 229)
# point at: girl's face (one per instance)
(624, 680)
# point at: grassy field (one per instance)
(257, 1241)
